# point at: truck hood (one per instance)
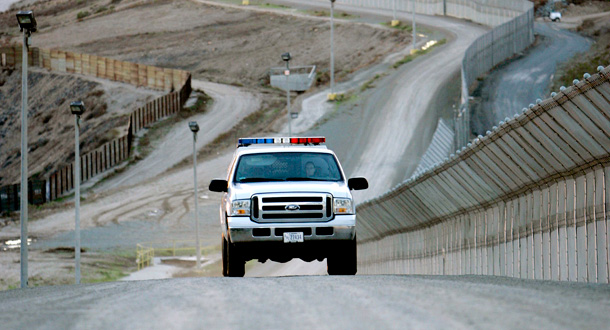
(246, 190)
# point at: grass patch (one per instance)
(82, 14)
(326, 13)
(371, 83)
(109, 267)
(272, 6)
(417, 53)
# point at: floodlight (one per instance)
(194, 126)
(77, 108)
(26, 21)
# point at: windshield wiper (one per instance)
(257, 180)
(304, 179)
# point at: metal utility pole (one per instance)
(332, 52)
(77, 108)
(286, 57)
(24, 161)
(195, 128)
(414, 27)
(27, 24)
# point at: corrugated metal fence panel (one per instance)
(529, 200)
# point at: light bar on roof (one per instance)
(244, 142)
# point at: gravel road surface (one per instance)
(320, 302)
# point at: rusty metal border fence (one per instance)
(529, 200)
(111, 153)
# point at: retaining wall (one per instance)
(116, 151)
(529, 200)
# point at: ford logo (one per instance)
(292, 207)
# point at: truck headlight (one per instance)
(343, 206)
(240, 207)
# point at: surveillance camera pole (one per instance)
(24, 161)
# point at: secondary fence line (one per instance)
(61, 182)
(512, 32)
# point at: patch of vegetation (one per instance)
(109, 267)
(401, 26)
(582, 63)
(418, 52)
(82, 14)
(272, 5)
(371, 83)
(326, 13)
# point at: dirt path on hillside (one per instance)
(230, 106)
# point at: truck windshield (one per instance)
(287, 166)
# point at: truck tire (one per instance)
(344, 261)
(225, 258)
(236, 266)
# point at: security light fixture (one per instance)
(194, 126)
(286, 57)
(77, 108)
(26, 21)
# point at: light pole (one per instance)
(195, 128)
(27, 24)
(414, 28)
(331, 96)
(77, 108)
(395, 22)
(286, 57)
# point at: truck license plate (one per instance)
(293, 237)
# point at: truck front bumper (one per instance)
(244, 230)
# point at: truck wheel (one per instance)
(225, 257)
(236, 266)
(344, 261)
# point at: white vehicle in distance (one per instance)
(287, 198)
(555, 16)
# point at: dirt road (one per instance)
(515, 85)
(230, 106)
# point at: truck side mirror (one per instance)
(357, 183)
(219, 185)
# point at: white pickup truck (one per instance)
(555, 16)
(287, 198)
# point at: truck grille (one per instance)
(294, 207)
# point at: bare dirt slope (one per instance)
(219, 44)
(50, 123)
